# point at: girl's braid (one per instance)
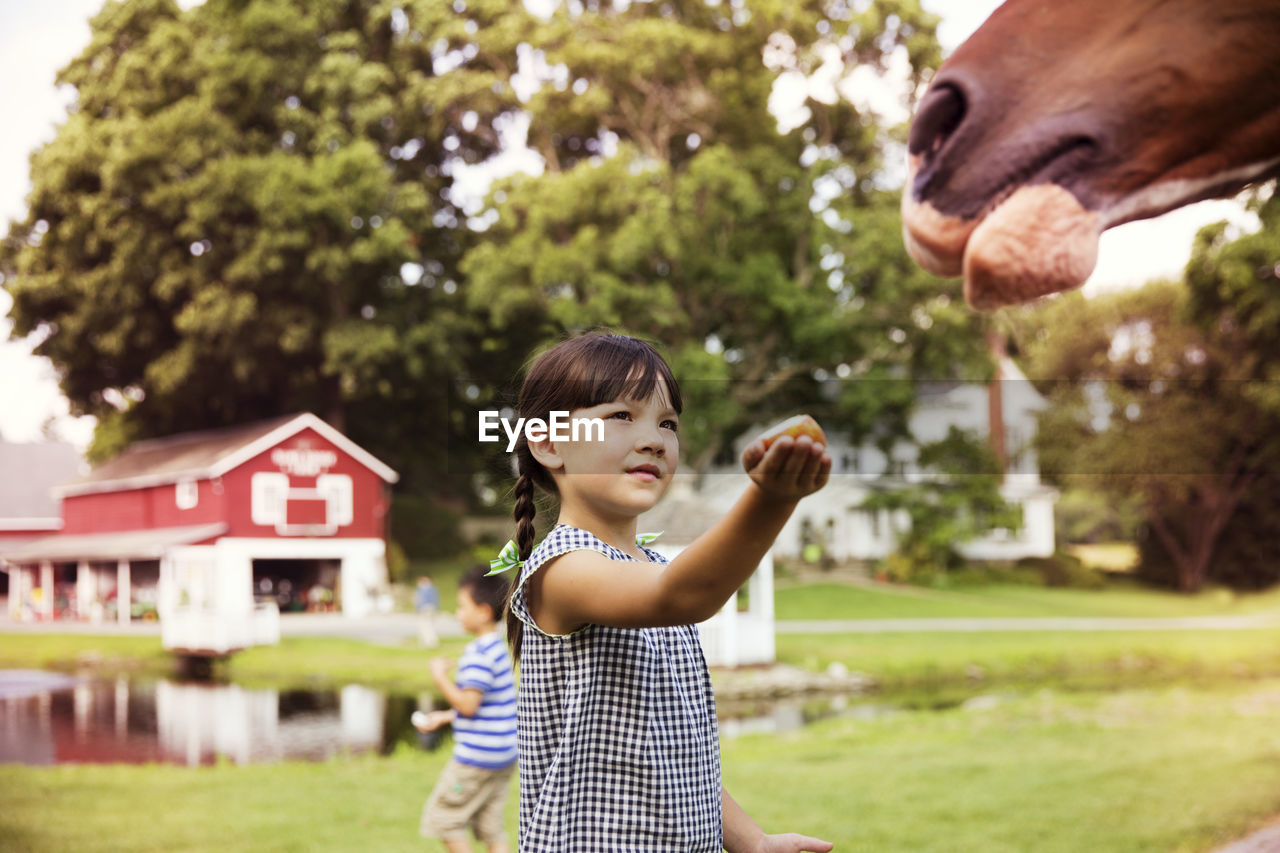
(525, 511)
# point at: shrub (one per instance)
(1064, 570)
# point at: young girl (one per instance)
(618, 741)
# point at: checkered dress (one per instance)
(618, 741)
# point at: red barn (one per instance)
(288, 511)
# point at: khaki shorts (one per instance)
(467, 797)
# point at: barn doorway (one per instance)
(298, 586)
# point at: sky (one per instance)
(37, 39)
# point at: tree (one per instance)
(1147, 401)
(249, 211)
(672, 206)
(254, 208)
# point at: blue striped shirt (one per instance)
(489, 738)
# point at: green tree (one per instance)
(1148, 401)
(249, 210)
(673, 207)
(254, 208)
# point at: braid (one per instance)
(525, 511)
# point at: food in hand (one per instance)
(795, 427)
(419, 720)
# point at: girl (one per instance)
(617, 729)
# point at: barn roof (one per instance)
(28, 472)
(151, 543)
(210, 453)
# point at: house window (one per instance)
(186, 494)
(269, 493)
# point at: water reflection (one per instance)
(786, 715)
(48, 718)
(192, 723)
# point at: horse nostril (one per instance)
(940, 113)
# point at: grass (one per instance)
(360, 803)
(1167, 769)
(1149, 770)
(1001, 741)
(294, 662)
(314, 661)
(915, 662)
(107, 653)
(836, 600)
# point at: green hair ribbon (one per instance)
(508, 558)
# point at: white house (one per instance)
(834, 516)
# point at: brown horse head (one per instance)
(1057, 120)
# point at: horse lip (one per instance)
(938, 239)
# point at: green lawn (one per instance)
(1165, 769)
(1170, 769)
(932, 668)
(889, 601)
(999, 741)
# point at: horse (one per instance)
(1057, 120)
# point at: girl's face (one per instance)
(631, 469)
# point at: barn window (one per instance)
(269, 495)
(337, 492)
(186, 494)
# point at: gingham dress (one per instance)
(618, 740)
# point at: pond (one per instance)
(51, 718)
(47, 718)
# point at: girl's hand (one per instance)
(792, 843)
(789, 468)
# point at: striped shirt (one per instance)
(488, 739)
(619, 746)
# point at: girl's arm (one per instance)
(743, 835)
(585, 586)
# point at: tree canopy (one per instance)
(673, 206)
(1167, 393)
(254, 207)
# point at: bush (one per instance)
(1064, 570)
(917, 563)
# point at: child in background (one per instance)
(619, 744)
(472, 788)
(426, 603)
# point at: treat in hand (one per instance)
(795, 427)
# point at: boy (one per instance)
(472, 789)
